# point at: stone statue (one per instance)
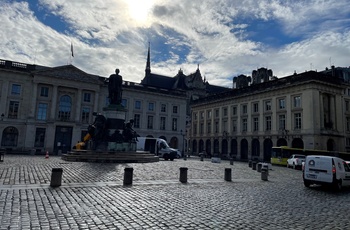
(128, 132)
(115, 88)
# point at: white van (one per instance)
(326, 170)
(157, 146)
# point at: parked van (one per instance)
(157, 146)
(326, 170)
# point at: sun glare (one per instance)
(139, 9)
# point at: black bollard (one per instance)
(228, 174)
(202, 158)
(264, 174)
(128, 176)
(254, 165)
(56, 177)
(231, 161)
(183, 175)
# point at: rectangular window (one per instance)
(217, 114)
(201, 127)
(209, 127)
(39, 137)
(234, 110)
(137, 121)
(297, 121)
(194, 129)
(256, 107)
(151, 106)
(202, 115)
(224, 126)
(195, 116)
(348, 124)
(297, 102)
(224, 111)
(174, 124)
(281, 103)
(244, 109)
(234, 126)
(256, 124)
(42, 111)
(209, 114)
(347, 142)
(85, 115)
(162, 123)
(125, 103)
(150, 122)
(175, 109)
(268, 123)
(87, 97)
(347, 107)
(13, 109)
(244, 125)
(216, 127)
(282, 122)
(163, 108)
(44, 91)
(16, 89)
(137, 104)
(267, 105)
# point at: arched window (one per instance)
(9, 137)
(65, 108)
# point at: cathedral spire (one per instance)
(148, 64)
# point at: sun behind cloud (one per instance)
(139, 10)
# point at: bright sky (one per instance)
(225, 37)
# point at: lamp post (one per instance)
(183, 143)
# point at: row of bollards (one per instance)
(263, 168)
(56, 176)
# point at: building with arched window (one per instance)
(310, 110)
(49, 108)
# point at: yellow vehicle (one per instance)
(280, 155)
(81, 145)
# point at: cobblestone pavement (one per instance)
(92, 196)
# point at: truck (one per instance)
(157, 146)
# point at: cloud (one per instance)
(226, 38)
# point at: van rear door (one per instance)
(318, 168)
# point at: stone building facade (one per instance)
(49, 108)
(308, 110)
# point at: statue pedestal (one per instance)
(115, 115)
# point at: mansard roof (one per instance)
(287, 81)
(159, 81)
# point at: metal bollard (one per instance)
(231, 161)
(250, 163)
(183, 175)
(264, 174)
(228, 174)
(128, 176)
(56, 177)
(259, 167)
(254, 165)
(202, 158)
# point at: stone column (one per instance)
(78, 106)
(54, 102)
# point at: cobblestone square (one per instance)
(92, 196)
